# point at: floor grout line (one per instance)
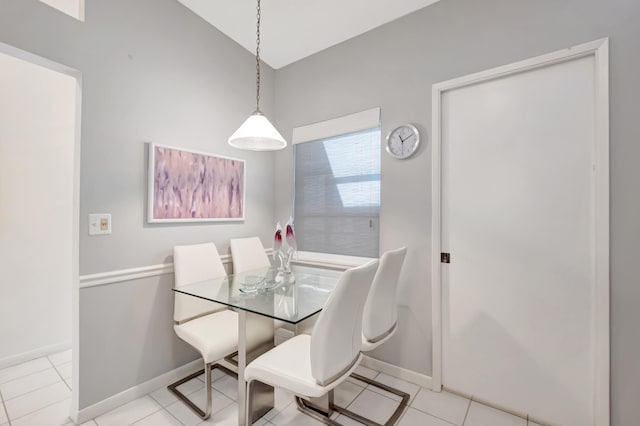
(172, 415)
(41, 408)
(63, 379)
(353, 400)
(466, 414)
(433, 415)
(406, 410)
(37, 389)
(28, 374)
(367, 385)
(4, 407)
(148, 415)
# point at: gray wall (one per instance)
(152, 71)
(394, 67)
(126, 337)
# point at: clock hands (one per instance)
(401, 145)
(396, 141)
(402, 141)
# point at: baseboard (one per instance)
(281, 335)
(165, 379)
(106, 405)
(33, 354)
(398, 372)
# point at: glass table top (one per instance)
(288, 297)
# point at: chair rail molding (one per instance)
(130, 274)
(110, 277)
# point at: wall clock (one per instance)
(403, 141)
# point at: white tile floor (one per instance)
(37, 393)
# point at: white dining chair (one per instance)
(311, 366)
(248, 254)
(209, 327)
(379, 323)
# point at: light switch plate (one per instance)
(99, 224)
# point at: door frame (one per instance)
(75, 237)
(599, 49)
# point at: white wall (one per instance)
(152, 71)
(394, 66)
(37, 115)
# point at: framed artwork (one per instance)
(191, 186)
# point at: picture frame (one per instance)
(192, 186)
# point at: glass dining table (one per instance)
(261, 296)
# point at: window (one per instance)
(337, 193)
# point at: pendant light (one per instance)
(257, 133)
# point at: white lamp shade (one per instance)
(257, 134)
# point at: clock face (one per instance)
(403, 141)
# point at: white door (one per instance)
(518, 194)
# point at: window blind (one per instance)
(337, 194)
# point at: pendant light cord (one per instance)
(258, 59)
(257, 133)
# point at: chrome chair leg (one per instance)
(232, 358)
(315, 412)
(207, 384)
(318, 414)
(173, 388)
(396, 414)
(248, 414)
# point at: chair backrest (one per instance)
(337, 336)
(381, 311)
(192, 263)
(248, 254)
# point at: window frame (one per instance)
(323, 130)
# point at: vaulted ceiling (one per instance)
(294, 29)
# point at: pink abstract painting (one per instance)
(192, 186)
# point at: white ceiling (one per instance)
(294, 29)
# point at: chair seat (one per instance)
(214, 335)
(288, 365)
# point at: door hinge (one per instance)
(445, 258)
